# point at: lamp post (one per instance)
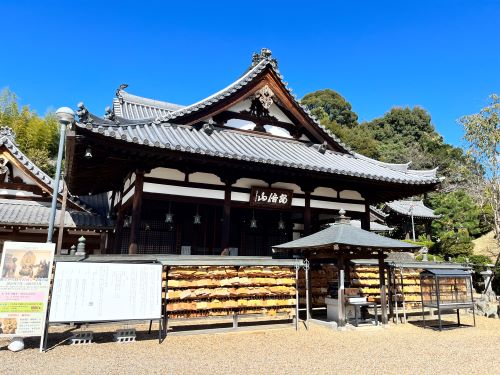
(412, 205)
(66, 116)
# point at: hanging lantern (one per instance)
(169, 217)
(197, 217)
(281, 223)
(253, 222)
(126, 222)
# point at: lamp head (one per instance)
(65, 115)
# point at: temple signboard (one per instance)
(270, 198)
(26, 270)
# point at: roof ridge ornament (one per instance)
(110, 114)
(119, 90)
(84, 114)
(343, 219)
(208, 127)
(321, 147)
(265, 54)
(6, 131)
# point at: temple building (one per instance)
(242, 170)
(25, 200)
(408, 216)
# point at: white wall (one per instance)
(351, 194)
(166, 173)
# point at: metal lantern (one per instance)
(197, 217)
(281, 223)
(88, 153)
(126, 222)
(169, 217)
(253, 222)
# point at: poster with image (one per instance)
(25, 272)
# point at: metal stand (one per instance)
(45, 332)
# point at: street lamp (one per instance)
(412, 205)
(66, 116)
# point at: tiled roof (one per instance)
(131, 109)
(7, 139)
(98, 202)
(134, 107)
(347, 235)
(374, 226)
(165, 112)
(239, 145)
(36, 214)
(417, 208)
(376, 214)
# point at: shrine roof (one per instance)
(409, 208)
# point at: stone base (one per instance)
(486, 306)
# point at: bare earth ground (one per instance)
(398, 349)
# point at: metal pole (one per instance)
(55, 188)
(308, 306)
(61, 219)
(412, 224)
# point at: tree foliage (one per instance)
(405, 134)
(482, 134)
(461, 221)
(330, 107)
(37, 137)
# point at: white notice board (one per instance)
(91, 292)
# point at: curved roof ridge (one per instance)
(424, 172)
(401, 167)
(242, 81)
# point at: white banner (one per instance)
(93, 292)
(24, 286)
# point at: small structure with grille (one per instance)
(445, 290)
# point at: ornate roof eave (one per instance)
(262, 63)
(150, 135)
(258, 68)
(7, 139)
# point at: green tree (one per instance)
(482, 134)
(37, 137)
(407, 134)
(460, 222)
(330, 107)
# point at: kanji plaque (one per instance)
(270, 198)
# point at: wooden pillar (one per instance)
(117, 244)
(365, 219)
(307, 213)
(120, 216)
(136, 212)
(226, 214)
(383, 290)
(103, 239)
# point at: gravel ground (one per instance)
(397, 349)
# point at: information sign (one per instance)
(99, 292)
(24, 286)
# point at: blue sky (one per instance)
(441, 55)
